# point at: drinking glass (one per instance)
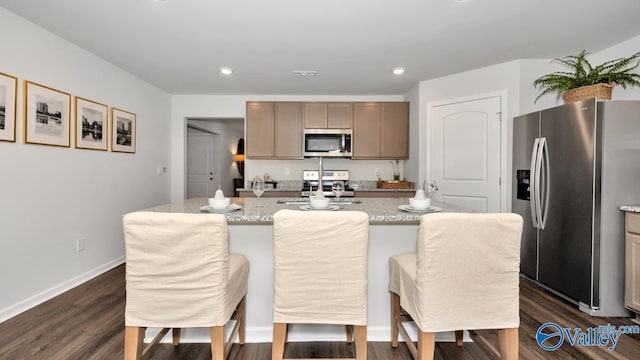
(258, 189)
(337, 189)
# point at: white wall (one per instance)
(51, 196)
(623, 49)
(501, 78)
(233, 106)
(516, 80)
(411, 168)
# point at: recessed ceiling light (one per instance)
(303, 73)
(398, 71)
(226, 71)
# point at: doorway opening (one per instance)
(211, 146)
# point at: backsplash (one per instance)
(359, 170)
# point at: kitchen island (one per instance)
(392, 231)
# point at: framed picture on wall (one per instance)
(123, 131)
(46, 115)
(8, 90)
(91, 125)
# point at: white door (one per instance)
(464, 148)
(200, 173)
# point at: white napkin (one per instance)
(219, 194)
(420, 195)
(319, 193)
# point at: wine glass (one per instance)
(337, 189)
(258, 189)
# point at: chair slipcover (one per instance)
(320, 267)
(179, 272)
(464, 275)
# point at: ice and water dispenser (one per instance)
(523, 184)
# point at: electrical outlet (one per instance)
(377, 173)
(80, 244)
(162, 170)
(286, 171)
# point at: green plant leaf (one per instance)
(619, 71)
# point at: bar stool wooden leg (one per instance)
(242, 319)
(459, 337)
(349, 329)
(361, 341)
(395, 318)
(133, 336)
(508, 341)
(426, 345)
(279, 336)
(176, 336)
(217, 342)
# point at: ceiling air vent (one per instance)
(303, 73)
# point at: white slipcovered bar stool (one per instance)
(320, 273)
(464, 276)
(180, 274)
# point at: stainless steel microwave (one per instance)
(327, 142)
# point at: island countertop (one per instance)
(630, 208)
(260, 211)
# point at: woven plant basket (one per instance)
(394, 184)
(600, 91)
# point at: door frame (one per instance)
(215, 166)
(504, 176)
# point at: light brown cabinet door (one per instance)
(339, 115)
(394, 130)
(315, 115)
(288, 130)
(260, 128)
(366, 131)
(632, 262)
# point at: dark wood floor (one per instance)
(88, 323)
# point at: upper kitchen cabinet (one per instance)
(288, 130)
(260, 128)
(381, 130)
(274, 130)
(394, 130)
(322, 115)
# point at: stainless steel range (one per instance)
(311, 182)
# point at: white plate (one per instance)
(408, 208)
(231, 207)
(329, 208)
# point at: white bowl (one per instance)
(420, 204)
(321, 203)
(219, 203)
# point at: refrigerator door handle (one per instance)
(532, 184)
(547, 184)
(538, 198)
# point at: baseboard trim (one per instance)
(37, 299)
(301, 333)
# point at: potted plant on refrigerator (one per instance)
(585, 81)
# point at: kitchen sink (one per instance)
(302, 201)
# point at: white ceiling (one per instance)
(179, 45)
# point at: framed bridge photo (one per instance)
(123, 131)
(8, 90)
(46, 115)
(91, 125)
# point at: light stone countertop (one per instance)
(630, 208)
(358, 185)
(381, 210)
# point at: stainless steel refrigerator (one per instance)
(573, 166)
